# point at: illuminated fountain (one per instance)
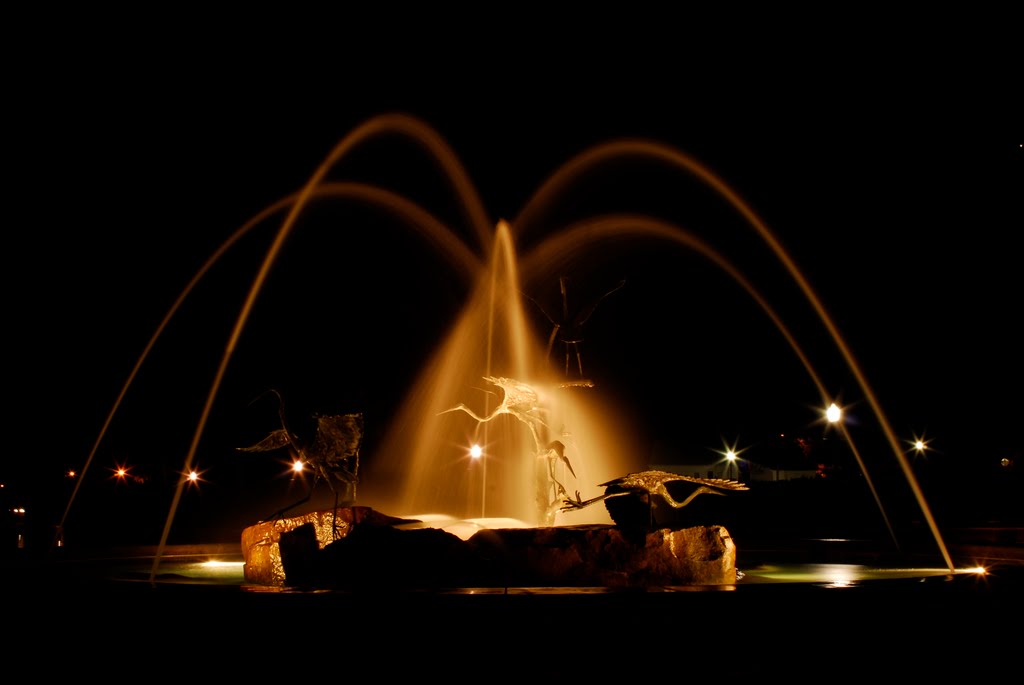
(546, 435)
(490, 383)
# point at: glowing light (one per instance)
(476, 452)
(298, 466)
(123, 474)
(731, 452)
(120, 472)
(730, 457)
(194, 477)
(212, 564)
(840, 575)
(834, 414)
(918, 444)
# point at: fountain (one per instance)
(565, 414)
(548, 437)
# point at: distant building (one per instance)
(686, 462)
(775, 459)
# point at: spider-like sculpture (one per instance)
(569, 328)
(333, 454)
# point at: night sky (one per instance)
(903, 215)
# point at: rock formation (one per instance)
(362, 549)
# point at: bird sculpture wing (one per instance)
(652, 480)
(335, 449)
(721, 483)
(584, 315)
(337, 439)
(276, 440)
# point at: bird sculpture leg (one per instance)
(281, 512)
(334, 517)
(576, 504)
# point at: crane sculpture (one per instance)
(522, 401)
(645, 486)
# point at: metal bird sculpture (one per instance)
(568, 329)
(333, 454)
(645, 486)
(523, 402)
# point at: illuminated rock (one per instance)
(601, 555)
(261, 547)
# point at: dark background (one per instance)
(893, 182)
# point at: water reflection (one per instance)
(231, 572)
(840, 575)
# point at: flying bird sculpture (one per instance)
(568, 329)
(522, 401)
(645, 486)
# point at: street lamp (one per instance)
(731, 454)
(834, 414)
(730, 457)
(919, 444)
(193, 478)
